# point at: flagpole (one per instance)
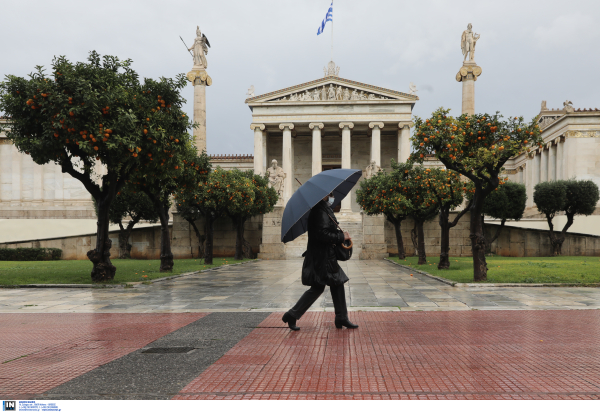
(332, 33)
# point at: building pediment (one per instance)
(331, 89)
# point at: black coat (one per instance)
(320, 264)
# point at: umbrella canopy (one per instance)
(295, 216)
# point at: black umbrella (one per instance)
(295, 216)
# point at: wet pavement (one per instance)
(219, 335)
(275, 286)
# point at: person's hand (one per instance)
(347, 236)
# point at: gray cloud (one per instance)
(528, 53)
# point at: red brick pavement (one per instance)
(413, 355)
(41, 351)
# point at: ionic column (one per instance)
(468, 75)
(346, 153)
(561, 159)
(536, 169)
(286, 158)
(529, 178)
(317, 157)
(520, 175)
(543, 165)
(258, 148)
(551, 161)
(264, 149)
(376, 142)
(404, 141)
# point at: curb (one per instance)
(497, 285)
(121, 285)
(420, 272)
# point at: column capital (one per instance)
(313, 125)
(254, 126)
(376, 124)
(349, 125)
(402, 125)
(288, 125)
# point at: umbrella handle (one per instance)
(347, 247)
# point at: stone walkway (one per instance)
(275, 286)
(417, 339)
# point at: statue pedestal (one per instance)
(373, 245)
(271, 247)
(200, 79)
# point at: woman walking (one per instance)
(320, 266)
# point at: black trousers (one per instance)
(311, 295)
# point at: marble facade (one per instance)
(328, 123)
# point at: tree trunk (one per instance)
(103, 269)
(166, 256)
(124, 235)
(239, 238)
(208, 253)
(421, 243)
(445, 246)
(200, 237)
(478, 239)
(397, 223)
(557, 240)
(414, 237)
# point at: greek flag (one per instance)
(328, 17)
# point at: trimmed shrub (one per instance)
(24, 253)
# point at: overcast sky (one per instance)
(529, 50)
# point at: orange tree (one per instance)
(160, 183)
(477, 147)
(383, 194)
(240, 210)
(222, 193)
(95, 112)
(446, 187)
(412, 181)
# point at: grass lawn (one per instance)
(78, 271)
(562, 269)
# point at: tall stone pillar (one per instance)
(529, 177)
(264, 149)
(543, 165)
(376, 142)
(559, 159)
(346, 153)
(286, 158)
(551, 161)
(200, 79)
(317, 156)
(468, 75)
(404, 141)
(258, 148)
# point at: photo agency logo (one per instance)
(9, 405)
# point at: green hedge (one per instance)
(22, 253)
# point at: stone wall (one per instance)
(522, 242)
(146, 241)
(460, 244)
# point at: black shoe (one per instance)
(345, 322)
(290, 320)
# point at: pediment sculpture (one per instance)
(330, 92)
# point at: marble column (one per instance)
(561, 160)
(286, 159)
(529, 179)
(265, 136)
(346, 153)
(536, 169)
(404, 141)
(376, 142)
(468, 75)
(551, 161)
(520, 175)
(258, 148)
(543, 165)
(317, 155)
(200, 114)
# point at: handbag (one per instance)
(343, 250)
